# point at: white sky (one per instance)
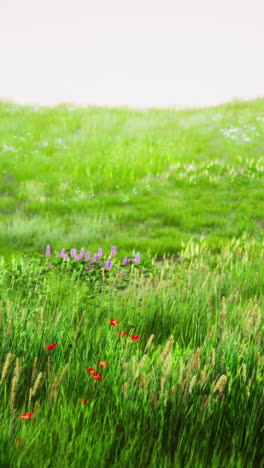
(139, 53)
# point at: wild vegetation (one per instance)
(131, 287)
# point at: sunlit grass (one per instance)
(157, 360)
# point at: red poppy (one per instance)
(19, 442)
(102, 363)
(90, 370)
(51, 346)
(26, 416)
(97, 376)
(122, 334)
(84, 401)
(113, 322)
(135, 337)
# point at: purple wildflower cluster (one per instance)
(86, 257)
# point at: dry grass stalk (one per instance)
(53, 388)
(184, 386)
(126, 384)
(34, 369)
(213, 357)
(64, 370)
(13, 391)
(6, 367)
(192, 384)
(30, 397)
(244, 371)
(35, 410)
(173, 391)
(149, 343)
(168, 366)
(141, 364)
(220, 384)
(223, 310)
(162, 381)
(203, 377)
(166, 350)
(8, 330)
(125, 368)
(14, 383)
(23, 315)
(134, 364)
(197, 359)
(37, 383)
(165, 397)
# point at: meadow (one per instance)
(136, 338)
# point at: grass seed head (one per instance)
(192, 384)
(37, 383)
(149, 343)
(6, 367)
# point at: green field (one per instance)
(186, 190)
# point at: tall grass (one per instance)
(188, 392)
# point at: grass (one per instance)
(138, 179)
(184, 386)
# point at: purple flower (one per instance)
(62, 252)
(95, 257)
(58, 254)
(122, 273)
(136, 260)
(100, 253)
(82, 252)
(91, 265)
(73, 252)
(125, 261)
(113, 251)
(87, 256)
(66, 258)
(77, 258)
(108, 266)
(48, 251)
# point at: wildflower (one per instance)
(26, 416)
(125, 261)
(122, 334)
(51, 346)
(19, 442)
(95, 257)
(48, 251)
(73, 252)
(62, 252)
(122, 273)
(90, 370)
(66, 257)
(113, 251)
(97, 376)
(87, 256)
(136, 260)
(81, 252)
(102, 363)
(77, 258)
(84, 401)
(100, 253)
(91, 265)
(113, 322)
(108, 266)
(135, 337)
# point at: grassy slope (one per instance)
(137, 179)
(143, 180)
